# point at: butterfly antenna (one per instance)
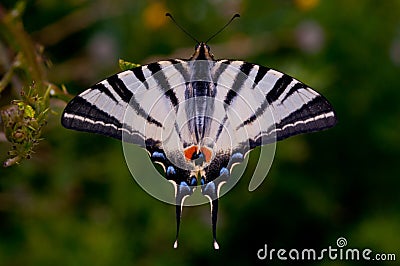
(179, 26)
(226, 25)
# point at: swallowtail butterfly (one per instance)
(198, 117)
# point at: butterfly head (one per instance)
(202, 52)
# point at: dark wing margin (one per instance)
(81, 115)
(315, 115)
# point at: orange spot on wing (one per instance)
(207, 153)
(189, 152)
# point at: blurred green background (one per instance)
(75, 202)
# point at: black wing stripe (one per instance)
(240, 78)
(120, 88)
(138, 72)
(265, 104)
(140, 111)
(163, 83)
(223, 64)
(237, 85)
(81, 115)
(260, 110)
(179, 67)
(128, 97)
(279, 87)
(262, 71)
(221, 127)
(298, 86)
(103, 89)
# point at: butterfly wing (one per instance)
(103, 108)
(272, 106)
(262, 106)
(133, 106)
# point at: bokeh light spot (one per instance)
(154, 15)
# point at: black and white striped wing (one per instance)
(141, 94)
(260, 106)
(270, 105)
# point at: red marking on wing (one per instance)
(189, 152)
(207, 152)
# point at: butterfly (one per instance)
(199, 117)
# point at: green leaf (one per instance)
(125, 65)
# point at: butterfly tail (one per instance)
(183, 191)
(210, 190)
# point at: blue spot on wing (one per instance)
(158, 155)
(193, 181)
(171, 171)
(224, 172)
(183, 184)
